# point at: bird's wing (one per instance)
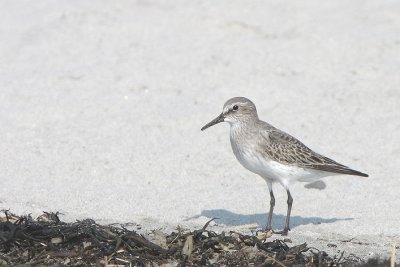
(286, 149)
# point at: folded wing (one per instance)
(286, 149)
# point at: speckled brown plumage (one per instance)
(286, 149)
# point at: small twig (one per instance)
(142, 241)
(393, 256)
(118, 241)
(341, 256)
(198, 233)
(137, 254)
(125, 261)
(173, 240)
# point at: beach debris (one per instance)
(47, 240)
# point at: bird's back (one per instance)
(281, 147)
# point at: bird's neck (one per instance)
(245, 127)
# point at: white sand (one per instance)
(101, 105)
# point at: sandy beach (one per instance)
(101, 105)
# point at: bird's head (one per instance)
(235, 110)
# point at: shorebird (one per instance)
(273, 154)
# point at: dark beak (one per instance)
(218, 119)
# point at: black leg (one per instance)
(289, 203)
(271, 210)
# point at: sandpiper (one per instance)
(273, 154)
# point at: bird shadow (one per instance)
(233, 219)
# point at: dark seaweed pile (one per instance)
(47, 240)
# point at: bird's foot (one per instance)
(284, 232)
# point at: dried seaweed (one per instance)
(47, 240)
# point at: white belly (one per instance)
(274, 171)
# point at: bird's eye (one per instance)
(235, 107)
